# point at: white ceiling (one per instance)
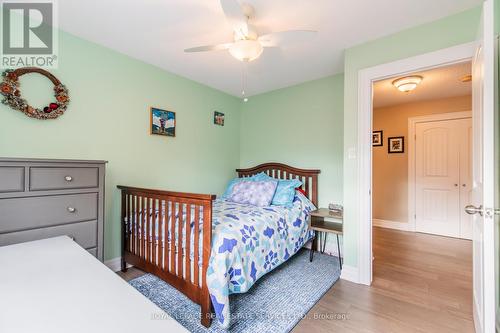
(442, 82)
(157, 32)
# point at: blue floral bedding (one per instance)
(247, 242)
(250, 241)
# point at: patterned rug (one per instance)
(276, 302)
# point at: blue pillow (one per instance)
(229, 188)
(285, 192)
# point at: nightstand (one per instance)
(324, 221)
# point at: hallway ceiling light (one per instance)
(407, 83)
(466, 78)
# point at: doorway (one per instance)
(457, 54)
(421, 173)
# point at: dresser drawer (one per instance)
(19, 214)
(42, 178)
(84, 233)
(11, 179)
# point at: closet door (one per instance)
(465, 132)
(437, 178)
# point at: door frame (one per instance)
(412, 123)
(366, 78)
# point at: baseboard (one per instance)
(350, 273)
(404, 226)
(115, 264)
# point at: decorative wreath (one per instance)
(12, 94)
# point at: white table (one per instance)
(54, 285)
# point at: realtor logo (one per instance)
(28, 34)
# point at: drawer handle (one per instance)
(68, 178)
(71, 209)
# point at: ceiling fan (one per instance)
(247, 44)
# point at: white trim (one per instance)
(403, 226)
(366, 77)
(475, 317)
(115, 264)
(487, 242)
(497, 77)
(350, 273)
(412, 122)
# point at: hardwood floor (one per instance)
(421, 283)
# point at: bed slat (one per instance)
(180, 222)
(153, 232)
(161, 234)
(188, 243)
(134, 222)
(196, 246)
(172, 237)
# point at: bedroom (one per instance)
(309, 122)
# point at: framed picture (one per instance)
(162, 122)
(218, 118)
(377, 138)
(396, 145)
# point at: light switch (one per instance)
(351, 153)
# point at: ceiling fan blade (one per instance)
(236, 17)
(205, 48)
(284, 38)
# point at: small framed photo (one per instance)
(162, 122)
(377, 138)
(218, 118)
(396, 145)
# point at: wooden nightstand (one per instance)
(325, 221)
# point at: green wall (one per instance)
(496, 5)
(447, 32)
(300, 126)
(108, 118)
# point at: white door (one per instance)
(442, 165)
(437, 166)
(481, 206)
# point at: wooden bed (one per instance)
(157, 255)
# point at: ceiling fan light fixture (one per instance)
(246, 49)
(407, 83)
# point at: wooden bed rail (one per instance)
(167, 233)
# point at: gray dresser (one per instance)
(42, 198)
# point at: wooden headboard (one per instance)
(308, 177)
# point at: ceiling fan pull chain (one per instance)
(243, 81)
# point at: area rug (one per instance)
(276, 303)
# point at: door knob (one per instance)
(471, 210)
